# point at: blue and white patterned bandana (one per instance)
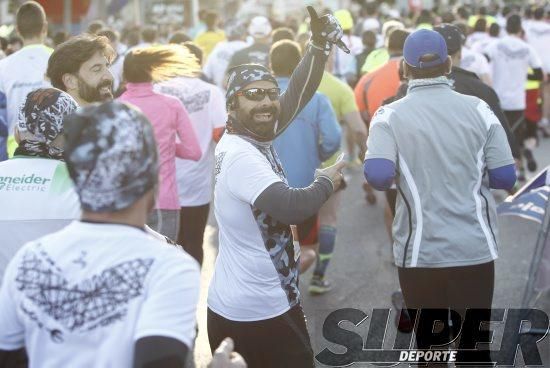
(111, 155)
(242, 75)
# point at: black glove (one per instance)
(325, 30)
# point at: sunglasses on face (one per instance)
(258, 94)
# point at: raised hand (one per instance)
(325, 29)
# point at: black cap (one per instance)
(452, 35)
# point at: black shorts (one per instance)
(308, 231)
(282, 341)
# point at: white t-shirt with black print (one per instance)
(256, 272)
(82, 297)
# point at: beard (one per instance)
(262, 126)
(101, 92)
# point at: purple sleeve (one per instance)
(379, 173)
(503, 177)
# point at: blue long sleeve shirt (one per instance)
(313, 137)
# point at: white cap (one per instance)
(259, 27)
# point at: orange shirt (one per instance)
(378, 85)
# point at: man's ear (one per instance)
(405, 69)
(70, 81)
(449, 63)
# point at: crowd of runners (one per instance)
(117, 143)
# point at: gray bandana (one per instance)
(40, 122)
(429, 82)
(111, 155)
(242, 75)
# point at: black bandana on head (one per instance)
(242, 75)
(40, 122)
(111, 155)
(238, 78)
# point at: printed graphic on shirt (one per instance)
(278, 239)
(192, 103)
(95, 302)
(218, 165)
(280, 246)
(513, 54)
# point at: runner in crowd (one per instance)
(479, 33)
(538, 36)
(80, 67)
(264, 170)
(115, 183)
(375, 87)
(343, 103)
(218, 60)
(37, 196)
(111, 156)
(208, 39)
(433, 258)
(205, 104)
(344, 63)
(473, 61)
(23, 71)
(257, 53)
(170, 119)
(253, 295)
(381, 55)
(313, 138)
(511, 58)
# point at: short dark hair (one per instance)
(447, 17)
(211, 19)
(30, 19)
(194, 49)
(480, 25)
(369, 38)
(132, 37)
(282, 33)
(110, 34)
(15, 39)
(538, 13)
(433, 72)
(371, 7)
(179, 37)
(149, 34)
(70, 55)
(284, 56)
(513, 24)
(396, 40)
(494, 29)
(463, 12)
(59, 37)
(95, 26)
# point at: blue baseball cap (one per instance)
(421, 43)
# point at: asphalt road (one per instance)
(364, 276)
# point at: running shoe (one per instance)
(318, 285)
(531, 163)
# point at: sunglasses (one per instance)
(258, 94)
